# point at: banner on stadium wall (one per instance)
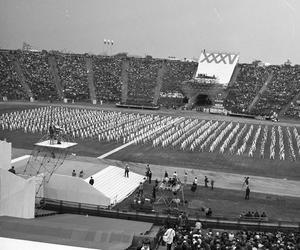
(217, 64)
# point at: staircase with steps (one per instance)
(124, 80)
(90, 75)
(114, 185)
(159, 83)
(55, 76)
(261, 92)
(21, 77)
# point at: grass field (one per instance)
(174, 156)
(229, 203)
(224, 202)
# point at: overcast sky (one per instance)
(257, 29)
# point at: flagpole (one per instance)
(111, 46)
(103, 46)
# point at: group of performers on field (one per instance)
(160, 130)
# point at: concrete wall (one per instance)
(17, 195)
(68, 188)
(5, 154)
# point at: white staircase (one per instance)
(113, 184)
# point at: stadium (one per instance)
(117, 151)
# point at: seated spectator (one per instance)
(256, 214)
(145, 245)
(81, 174)
(249, 214)
(12, 170)
(208, 212)
(263, 214)
(194, 185)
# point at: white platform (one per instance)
(21, 158)
(112, 183)
(63, 145)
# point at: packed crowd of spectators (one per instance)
(281, 90)
(193, 238)
(36, 71)
(247, 85)
(176, 73)
(10, 85)
(73, 74)
(107, 73)
(142, 78)
(294, 110)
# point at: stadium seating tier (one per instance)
(279, 93)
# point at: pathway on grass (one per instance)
(266, 185)
(274, 186)
(115, 150)
(133, 141)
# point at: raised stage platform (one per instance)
(113, 184)
(136, 106)
(61, 145)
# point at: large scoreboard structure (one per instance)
(215, 71)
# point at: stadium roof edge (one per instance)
(220, 52)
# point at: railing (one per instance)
(159, 218)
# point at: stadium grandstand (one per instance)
(120, 152)
(148, 82)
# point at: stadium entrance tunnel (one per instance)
(202, 100)
(185, 100)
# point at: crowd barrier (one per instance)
(159, 218)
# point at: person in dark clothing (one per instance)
(263, 214)
(246, 181)
(149, 176)
(208, 211)
(205, 181)
(247, 193)
(127, 171)
(141, 189)
(166, 174)
(147, 171)
(74, 173)
(194, 185)
(256, 214)
(12, 170)
(81, 174)
(51, 134)
(248, 214)
(91, 181)
(212, 182)
(154, 189)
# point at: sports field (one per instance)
(231, 201)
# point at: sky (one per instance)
(267, 30)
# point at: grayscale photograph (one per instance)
(150, 125)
